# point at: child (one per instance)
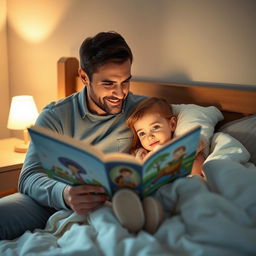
(152, 123)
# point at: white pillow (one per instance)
(244, 130)
(191, 115)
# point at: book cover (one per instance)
(73, 162)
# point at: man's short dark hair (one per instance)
(103, 48)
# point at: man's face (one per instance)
(108, 88)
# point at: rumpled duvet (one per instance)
(213, 217)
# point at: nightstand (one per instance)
(10, 166)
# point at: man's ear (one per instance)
(173, 123)
(83, 76)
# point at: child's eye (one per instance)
(155, 127)
(141, 134)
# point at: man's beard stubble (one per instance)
(103, 104)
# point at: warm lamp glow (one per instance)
(34, 20)
(23, 114)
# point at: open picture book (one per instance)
(75, 163)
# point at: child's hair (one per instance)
(160, 105)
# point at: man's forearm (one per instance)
(35, 183)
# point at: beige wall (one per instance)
(4, 86)
(199, 41)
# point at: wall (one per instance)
(199, 41)
(4, 86)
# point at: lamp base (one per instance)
(21, 148)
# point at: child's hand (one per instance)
(140, 153)
(201, 147)
(198, 163)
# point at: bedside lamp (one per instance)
(23, 114)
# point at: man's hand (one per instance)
(85, 198)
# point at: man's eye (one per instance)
(125, 83)
(107, 84)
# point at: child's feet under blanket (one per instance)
(135, 215)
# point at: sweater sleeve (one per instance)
(33, 181)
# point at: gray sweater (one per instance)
(71, 116)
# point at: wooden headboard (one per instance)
(233, 102)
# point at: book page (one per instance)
(125, 174)
(67, 163)
(171, 161)
(123, 157)
(82, 145)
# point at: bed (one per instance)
(216, 216)
(234, 102)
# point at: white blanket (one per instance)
(217, 217)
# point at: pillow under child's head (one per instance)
(190, 115)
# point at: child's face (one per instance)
(153, 129)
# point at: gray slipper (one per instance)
(128, 209)
(154, 216)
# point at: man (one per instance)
(97, 113)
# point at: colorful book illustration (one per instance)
(75, 163)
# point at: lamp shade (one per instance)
(23, 112)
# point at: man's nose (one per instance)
(118, 91)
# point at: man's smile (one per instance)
(115, 101)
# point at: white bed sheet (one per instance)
(213, 218)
